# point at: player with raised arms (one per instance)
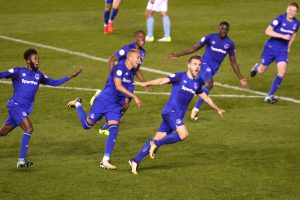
(172, 129)
(218, 45)
(26, 81)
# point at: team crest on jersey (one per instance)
(195, 85)
(226, 46)
(178, 121)
(92, 116)
(37, 76)
(23, 74)
(295, 26)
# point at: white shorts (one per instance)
(158, 6)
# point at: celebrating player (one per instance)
(172, 129)
(26, 81)
(282, 31)
(113, 6)
(120, 56)
(109, 102)
(218, 45)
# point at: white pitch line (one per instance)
(142, 92)
(143, 68)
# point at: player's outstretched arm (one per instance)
(52, 82)
(270, 32)
(238, 73)
(211, 103)
(76, 73)
(190, 50)
(141, 78)
(121, 88)
(159, 81)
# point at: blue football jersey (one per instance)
(283, 26)
(122, 53)
(183, 90)
(110, 93)
(26, 83)
(216, 49)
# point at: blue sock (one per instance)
(104, 127)
(82, 117)
(169, 139)
(144, 152)
(111, 140)
(167, 25)
(114, 13)
(106, 17)
(200, 101)
(150, 25)
(275, 85)
(24, 145)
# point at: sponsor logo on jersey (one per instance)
(286, 31)
(29, 82)
(218, 50)
(188, 89)
(126, 80)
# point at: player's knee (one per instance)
(107, 7)
(183, 135)
(29, 130)
(281, 73)
(261, 69)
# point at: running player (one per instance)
(109, 103)
(218, 45)
(26, 81)
(282, 31)
(172, 129)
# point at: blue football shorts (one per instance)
(171, 121)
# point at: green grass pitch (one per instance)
(252, 153)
